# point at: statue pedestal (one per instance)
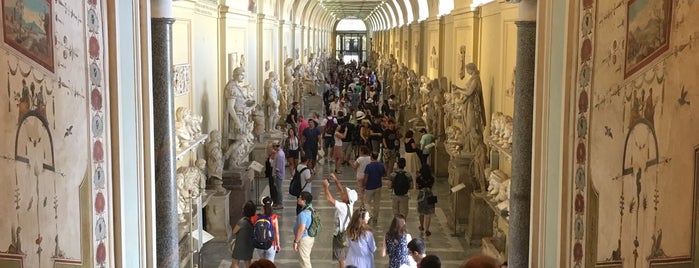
(238, 182)
(440, 168)
(259, 154)
(218, 215)
(480, 222)
(461, 171)
(311, 104)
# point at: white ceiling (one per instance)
(342, 9)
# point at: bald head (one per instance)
(480, 262)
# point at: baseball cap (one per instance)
(351, 194)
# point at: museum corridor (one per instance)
(451, 250)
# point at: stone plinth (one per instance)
(259, 154)
(218, 215)
(440, 167)
(480, 222)
(310, 104)
(461, 171)
(237, 181)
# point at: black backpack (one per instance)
(263, 232)
(401, 183)
(295, 187)
(288, 119)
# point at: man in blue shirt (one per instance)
(302, 242)
(373, 173)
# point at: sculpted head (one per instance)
(238, 74)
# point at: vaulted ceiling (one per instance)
(342, 9)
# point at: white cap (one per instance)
(351, 195)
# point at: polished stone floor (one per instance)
(451, 250)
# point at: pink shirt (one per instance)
(303, 125)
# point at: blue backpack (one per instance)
(263, 232)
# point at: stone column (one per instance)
(166, 222)
(520, 187)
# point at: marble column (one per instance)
(166, 222)
(520, 187)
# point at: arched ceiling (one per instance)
(378, 14)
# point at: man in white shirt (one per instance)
(306, 175)
(362, 161)
(344, 206)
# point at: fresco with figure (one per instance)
(634, 185)
(54, 150)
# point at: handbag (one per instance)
(432, 200)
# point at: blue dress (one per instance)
(397, 251)
(361, 252)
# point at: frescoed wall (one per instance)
(54, 145)
(635, 184)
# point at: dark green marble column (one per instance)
(166, 223)
(520, 186)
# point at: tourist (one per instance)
(425, 198)
(338, 154)
(291, 149)
(426, 146)
(480, 261)
(395, 244)
(430, 261)
(412, 162)
(360, 241)
(311, 144)
(279, 172)
(270, 253)
(242, 251)
(359, 166)
(416, 250)
(303, 244)
(401, 183)
(344, 206)
(373, 174)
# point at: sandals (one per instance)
(428, 233)
(420, 228)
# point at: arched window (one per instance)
(351, 25)
(409, 11)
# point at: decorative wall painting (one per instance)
(28, 28)
(647, 32)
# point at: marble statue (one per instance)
(184, 136)
(288, 88)
(238, 124)
(273, 91)
(472, 117)
(214, 160)
(258, 117)
(189, 183)
(495, 125)
(506, 140)
(436, 104)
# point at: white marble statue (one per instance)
(503, 192)
(288, 88)
(472, 116)
(214, 159)
(238, 128)
(506, 140)
(189, 185)
(184, 136)
(273, 91)
(495, 125)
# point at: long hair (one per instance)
(267, 208)
(397, 228)
(357, 226)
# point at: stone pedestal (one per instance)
(439, 166)
(310, 104)
(461, 171)
(218, 215)
(259, 154)
(238, 182)
(480, 220)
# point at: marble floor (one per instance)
(451, 250)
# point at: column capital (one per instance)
(161, 9)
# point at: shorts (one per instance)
(389, 155)
(293, 154)
(328, 142)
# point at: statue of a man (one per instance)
(273, 100)
(241, 102)
(473, 114)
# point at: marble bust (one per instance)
(214, 160)
(184, 136)
(189, 184)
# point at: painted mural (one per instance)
(28, 28)
(53, 145)
(634, 185)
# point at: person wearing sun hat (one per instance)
(344, 206)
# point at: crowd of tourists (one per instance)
(357, 128)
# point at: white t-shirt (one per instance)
(363, 161)
(306, 174)
(341, 218)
